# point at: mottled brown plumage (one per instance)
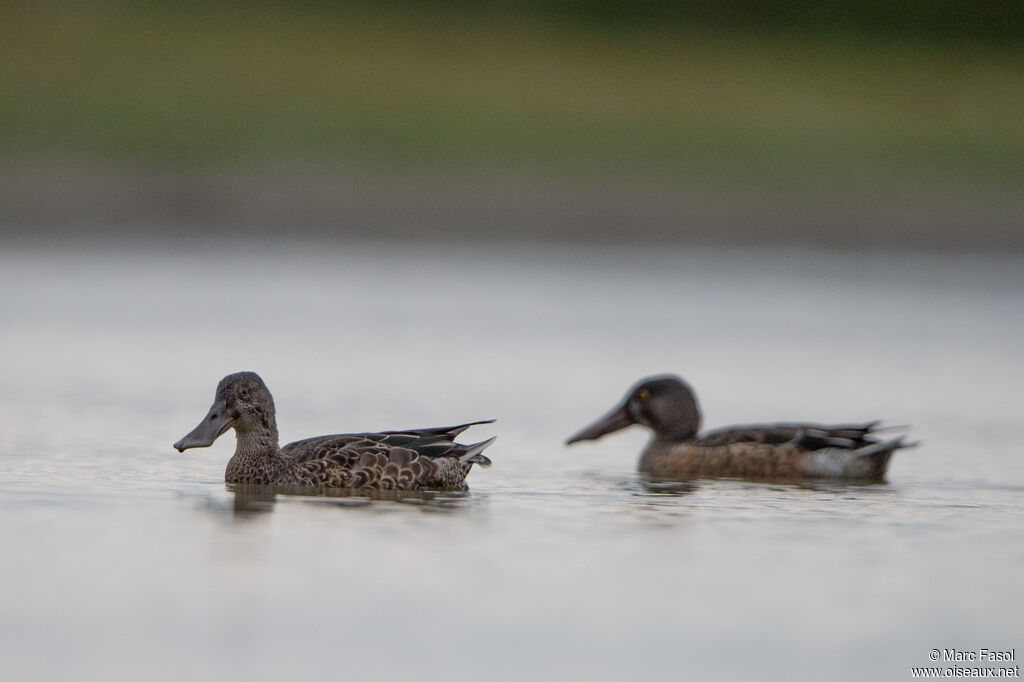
(389, 460)
(668, 407)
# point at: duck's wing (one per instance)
(801, 436)
(343, 450)
(430, 442)
(351, 462)
(371, 461)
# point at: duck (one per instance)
(414, 459)
(785, 451)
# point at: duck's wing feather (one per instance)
(800, 435)
(366, 464)
(430, 442)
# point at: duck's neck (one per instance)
(254, 449)
(262, 441)
(675, 434)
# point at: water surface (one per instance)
(126, 560)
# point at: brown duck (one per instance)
(667, 406)
(398, 460)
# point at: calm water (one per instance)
(123, 559)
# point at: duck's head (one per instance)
(665, 404)
(242, 402)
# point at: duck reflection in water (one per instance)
(254, 499)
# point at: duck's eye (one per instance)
(643, 394)
(243, 393)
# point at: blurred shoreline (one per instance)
(786, 124)
(83, 199)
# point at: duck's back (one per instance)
(801, 435)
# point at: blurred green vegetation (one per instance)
(928, 21)
(838, 94)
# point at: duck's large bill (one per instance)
(616, 420)
(216, 422)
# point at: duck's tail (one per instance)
(881, 451)
(472, 454)
(452, 431)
